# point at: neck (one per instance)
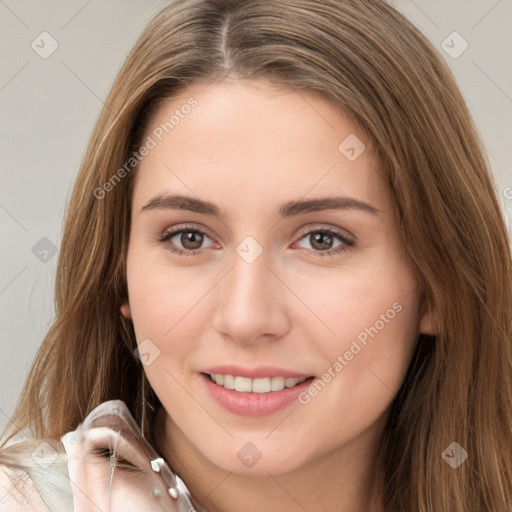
(346, 477)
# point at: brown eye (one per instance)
(325, 242)
(191, 240)
(186, 241)
(321, 241)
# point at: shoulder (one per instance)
(18, 493)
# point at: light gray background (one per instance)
(48, 108)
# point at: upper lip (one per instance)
(258, 372)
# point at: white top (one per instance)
(95, 472)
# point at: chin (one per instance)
(258, 458)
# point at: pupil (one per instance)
(321, 241)
(191, 239)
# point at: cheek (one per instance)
(163, 296)
(364, 369)
(362, 303)
(163, 300)
(372, 314)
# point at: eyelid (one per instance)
(343, 233)
(186, 227)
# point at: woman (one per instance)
(285, 258)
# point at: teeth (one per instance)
(246, 385)
(229, 381)
(261, 385)
(277, 383)
(288, 383)
(243, 384)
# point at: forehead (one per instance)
(254, 141)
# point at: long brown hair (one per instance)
(370, 61)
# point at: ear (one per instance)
(429, 321)
(125, 311)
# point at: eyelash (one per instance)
(346, 244)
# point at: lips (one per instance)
(255, 391)
(254, 373)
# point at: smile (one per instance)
(260, 385)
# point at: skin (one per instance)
(250, 147)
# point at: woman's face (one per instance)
(264, 251)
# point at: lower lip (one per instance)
(253, 404)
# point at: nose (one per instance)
(251, 303)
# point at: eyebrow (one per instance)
(289, 209)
